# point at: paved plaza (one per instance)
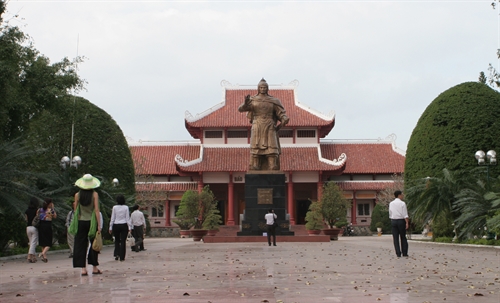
(353, 269)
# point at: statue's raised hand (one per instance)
(247, 99)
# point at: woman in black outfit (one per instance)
(47, 213)
(120, 226)
(87, 202)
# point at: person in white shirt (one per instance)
(400, 223)
(139, 228)
(120, 226)
(271, 229)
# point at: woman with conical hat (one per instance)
(87, 200)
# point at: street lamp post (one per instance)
(67, 162)
(491, 156)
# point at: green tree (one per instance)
(314, 218)
(97, 139)
(188, 210)
(476, 206)
(29, 83)
(333, 204)
(453, 127)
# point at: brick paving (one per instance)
(352, 269)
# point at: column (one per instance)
(167, 213)
(200, 185)
(291, 208)
(230, 201)
(353, 208)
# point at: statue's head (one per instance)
(263, 87)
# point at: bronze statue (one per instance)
(264, 112)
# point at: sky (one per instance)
(376, 64)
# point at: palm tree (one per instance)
(479, 207)
(432, 198)
(17, 185)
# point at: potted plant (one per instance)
(379, 226)
(341, 224)
(198, 206)
(185, 215)
(213, 220)
(333, 208)
(314, 219)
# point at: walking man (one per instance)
(139, 225)
(271, 226)
(400, 223)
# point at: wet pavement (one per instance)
(353, 269)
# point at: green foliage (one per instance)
(29, 83)
(333, 204)
(195, 208)
(13, 228)
(454, 126)
(314, 218)
(98, 140)
(380, 214)
(213, 218)
(188, 210)
(442, 226)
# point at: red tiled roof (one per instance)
(366, 158)
(222, 159)
(159, 160)
(362, 158)
(364, 185)
(166, 186)
(228, 115)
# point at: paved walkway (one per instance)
(353, 269)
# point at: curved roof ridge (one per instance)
(335, 162)
(181, 162)
(189, 117)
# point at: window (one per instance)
(310, 133)
(213, 134)
(364, 209)
(237, 134)
(157, 212)
(285, 133)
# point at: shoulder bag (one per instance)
(97, 244)
(36, 220)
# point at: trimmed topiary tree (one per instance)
(453, 127)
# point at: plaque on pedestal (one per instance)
(264, 190)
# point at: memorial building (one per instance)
(219, 157)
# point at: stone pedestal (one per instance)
(264, 190)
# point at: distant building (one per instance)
(219, 157)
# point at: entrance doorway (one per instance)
(302, 208)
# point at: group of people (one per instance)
(42, 233)
(89, 223)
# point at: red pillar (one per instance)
(291, 208)
(353, 208)
(167, 213)
(320, 189)
(200, 185)
(230, 201)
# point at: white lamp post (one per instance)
(491, 156)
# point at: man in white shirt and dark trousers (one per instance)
(400, 223)
(271, 227)
(139, 225)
